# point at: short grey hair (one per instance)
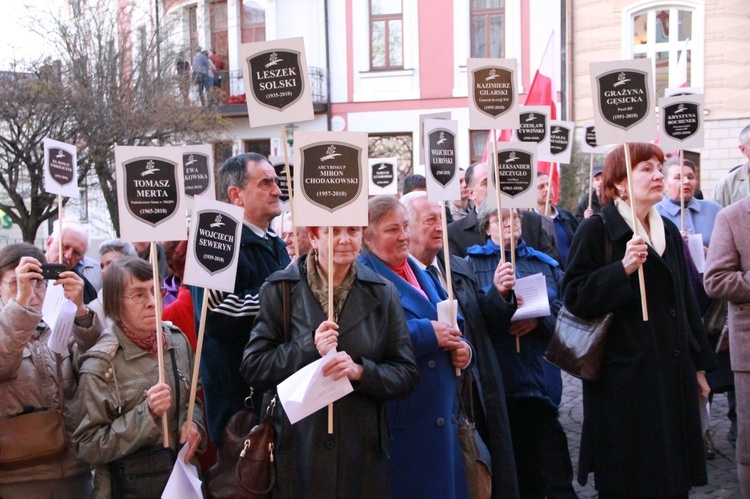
(377, 209)
(485, 212)
(233, 173)
(70, 224)
(675, 161)
(117, 245)
(407, 201)
(745, 136)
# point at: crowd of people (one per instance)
(414, 376)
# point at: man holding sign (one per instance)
(247, 180)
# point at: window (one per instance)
(253, 22)
(218, 24)
(487, 34)
(393, 145)
(261, 146)
(477, 143)
(662, 34)
(193, 28)
(386, 34)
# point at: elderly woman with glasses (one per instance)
(31, 375)
(122, 402)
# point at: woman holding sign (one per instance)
(373, 352)
(425, 451)
(641, 431)
(533, 386)
(33, 378)
(121, 402)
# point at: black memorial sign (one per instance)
(590, 136)
(681, 120)
(331, 174)
(197, 179)
(151, 189)
(559, 139)
(215, 241)
(280, 169)
(383, 174)
(623, 97)
(442, 144)
(493, 90)
(515, 172)
(533, 127)
(276, 78)
(61, 166)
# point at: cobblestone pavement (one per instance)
(722, 474)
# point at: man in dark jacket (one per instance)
(583, 210)
(562, 224)
(476, 307)
(465, 233)
(247, 180)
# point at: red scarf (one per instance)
(406, 273)
(149, 343)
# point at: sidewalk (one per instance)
(722, 475)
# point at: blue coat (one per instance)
(426, 456)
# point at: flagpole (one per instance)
(448, 278)
(641, 278)
(330, 310)
(682, 191)
(549, 189)
(289, 191)
(198, 354)
(159, 346)
(591, 179)
(496, 172)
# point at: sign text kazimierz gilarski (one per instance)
(442, 156)
(215, 241)
(514, 170)
(196, 176)
(623, 97)
(331, 174)
(61, 166)
(493, 90)
(276, 78)
(151, 189)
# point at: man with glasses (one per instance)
(75, 244)
(249, 181)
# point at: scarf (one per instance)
(319, 285)
(149, 343)
(405, 272)
(656, 238)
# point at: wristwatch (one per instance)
(87, 316)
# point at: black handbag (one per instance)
(577, 345)
(144, 473)
(476, 455)
(244, 467)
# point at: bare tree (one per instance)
(33, 106)
(123, 88)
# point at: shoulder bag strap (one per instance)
(176, 383)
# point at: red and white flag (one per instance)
(542, 92)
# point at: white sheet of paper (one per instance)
(183, 483)
(533, 290)
(695, 246)
(59, 313)
(444, 311)
(307, 390)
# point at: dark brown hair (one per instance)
(11, 255)
(114, 281)
(614, 166)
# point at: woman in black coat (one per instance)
(641, 431)
(373, 350)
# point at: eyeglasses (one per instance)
(37, 284)
(141, 297)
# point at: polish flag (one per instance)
(542, 92)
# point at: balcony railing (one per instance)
(233, 87)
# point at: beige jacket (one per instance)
(28, 378)
(114, 416)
